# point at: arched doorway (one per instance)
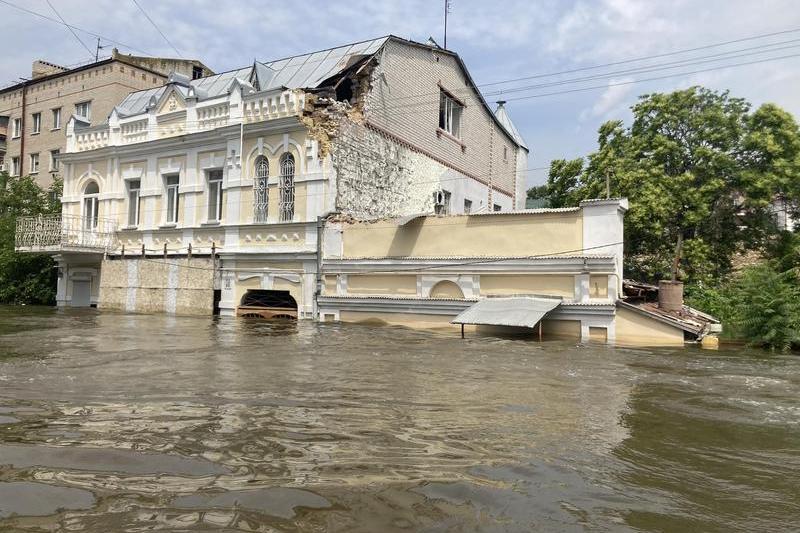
(268, 304)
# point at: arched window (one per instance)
(260, 190)
(286, 204)
(91, 214)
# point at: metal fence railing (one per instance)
(64, 232)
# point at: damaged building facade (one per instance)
(233, 173)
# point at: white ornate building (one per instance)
(193, 193)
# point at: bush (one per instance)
(761, 305)
(25, 278)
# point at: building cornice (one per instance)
(554, 265)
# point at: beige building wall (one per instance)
(103, 84)
(510, 284)
(522, 234)
(483, 149)
(636, 329)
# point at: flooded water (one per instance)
(113, 422)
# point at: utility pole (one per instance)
(97, 51)
(446, 11)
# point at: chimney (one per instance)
(41, 68)
(670, 295)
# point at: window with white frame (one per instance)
(171, 183)
(286, 185)
(214, 195)
(91, 206)
(57, 118)
(15, 170)
(467, 206)
(54, 160)
(133, 202)
(34, 163)
(36, 118)
(84, 110)
(16, 128)
(450, 111)
(260, 190)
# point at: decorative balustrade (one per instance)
(57, 233)
(213, 116)
(91, 139)
(134, 132)
(272, 105)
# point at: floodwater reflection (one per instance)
(165, 423)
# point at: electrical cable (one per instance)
(157, 28)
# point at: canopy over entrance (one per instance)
(520, 311)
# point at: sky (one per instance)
(499, 40)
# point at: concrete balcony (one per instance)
(64, 233)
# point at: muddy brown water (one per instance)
(112, 422)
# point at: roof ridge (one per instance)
(265, 63)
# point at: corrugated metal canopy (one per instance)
(521, 311)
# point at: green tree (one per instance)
(537, 192)
(25, 278)
(699, 170)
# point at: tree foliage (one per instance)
(699, 170)
(25, 278)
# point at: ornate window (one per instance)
(260, 190)
(133, 202)
(214, 195)
(286, 184)
(172, 184)
(91, 206)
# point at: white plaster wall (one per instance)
(377, 177)
(603, 233)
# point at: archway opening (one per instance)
(267, 304)
(447, 289)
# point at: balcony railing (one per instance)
(61, 233)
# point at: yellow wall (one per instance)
(446, 289)
(561, 329)
(598, 334)
(330, 285)
(499, 284)
(477, 236)
(400, 319)
(598, 286)
(381, 284)
(635, 328)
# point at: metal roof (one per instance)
(309, 70)
(521, 311)
(505, 120)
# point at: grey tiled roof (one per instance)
(297, 72)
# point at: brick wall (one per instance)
(405, 101)
(105, 85)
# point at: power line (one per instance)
(654, 78)
(644, 58)
(397, 110)
(64, 22)
(157, 28)
(51, 19)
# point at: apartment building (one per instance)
(35, 111)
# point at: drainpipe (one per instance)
(22, 131)
(318, 287)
